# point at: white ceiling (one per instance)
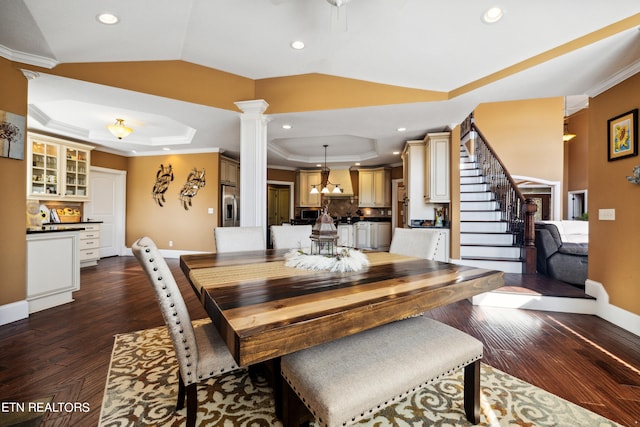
(419, 44)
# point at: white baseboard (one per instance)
(616, 315)
(599, 307)
(14, 311)
(535, 302)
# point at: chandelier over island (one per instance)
(324, 179)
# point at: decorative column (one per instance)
(253, 164)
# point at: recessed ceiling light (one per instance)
(318, 165)
(358, 164)
(492, 15)
(286, 126)
(396, 152)
(107, 18)
(167, 149)
(401, 129)
(297, 44)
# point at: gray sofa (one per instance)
(564, 261)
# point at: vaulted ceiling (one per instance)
(537, 50)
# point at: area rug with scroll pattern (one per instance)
(141, 390)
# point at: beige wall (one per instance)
(527, 135)
(108, 160)
(576, 157)
(13, 173)
(190, 230)
(281, 175)
(578, 152)
(614, 245)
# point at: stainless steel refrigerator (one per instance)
(230, 208)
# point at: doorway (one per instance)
(107, 189)
(279, 205)
(577, 205)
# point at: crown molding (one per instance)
(619, 77)
(27, 58)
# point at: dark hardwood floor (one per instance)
(64, 351)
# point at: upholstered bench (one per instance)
(343, 381)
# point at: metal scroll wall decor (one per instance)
(164, 176)
(195, 181)
(635, 179)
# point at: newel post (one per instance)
(529, 209)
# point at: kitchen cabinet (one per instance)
(53, 268)
(374, 188)
(89, 244)
(59, 169)
(363, 235)
(76, 168)
(436, 168)
(229, 172)
(380, 236)
(373, 235)
(306, 179)
(346, 235)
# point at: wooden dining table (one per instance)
(265, 310)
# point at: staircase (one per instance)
(484, 237)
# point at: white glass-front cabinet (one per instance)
(59, 169)
(43, 172)
(76, 169)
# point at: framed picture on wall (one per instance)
(623, 136)
(12, 127)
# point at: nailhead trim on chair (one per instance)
(317, 375)
(189, 374)
(388, 402)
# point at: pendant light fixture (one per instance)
(566, 135)
(119, 130)
(324, 179)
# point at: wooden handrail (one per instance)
(497, 158)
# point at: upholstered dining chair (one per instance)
(239, 239)
(416, 242)
(291, 236)
(201, 352)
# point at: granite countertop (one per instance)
(53, 229)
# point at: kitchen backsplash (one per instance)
(343, 208)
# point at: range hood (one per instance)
(343, 178)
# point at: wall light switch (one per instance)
(607, 214)
(210, 211)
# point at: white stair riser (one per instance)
(472, 179)
(486, 239)
(483, 227)
(467, 197)
(480, 216)
(470, 172)
(490, 252)
(506, 266)
(482, 205)
(474, 188)
(468, 165)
